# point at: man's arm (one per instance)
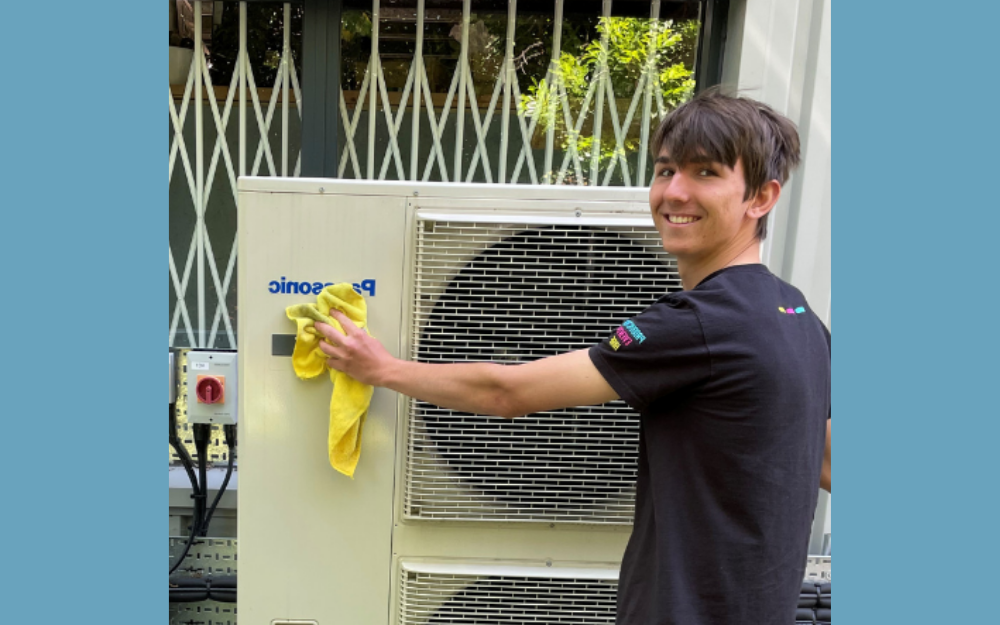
(824, 476)
(563, 381)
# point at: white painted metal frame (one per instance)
(199, 90)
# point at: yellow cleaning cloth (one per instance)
(349, 404)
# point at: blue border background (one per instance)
(916, 131)
(84, 207)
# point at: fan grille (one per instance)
(516, 293)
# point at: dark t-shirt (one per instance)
(732, 383)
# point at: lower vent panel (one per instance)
(453, 599)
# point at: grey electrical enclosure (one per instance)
(211, 387)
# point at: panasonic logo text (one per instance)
(314, 288)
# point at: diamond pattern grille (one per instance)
(212, 142)
(202, 275)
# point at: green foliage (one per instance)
(355, 24)
(628, 48)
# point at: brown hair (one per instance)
(725, 129)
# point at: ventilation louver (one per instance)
(452, 599)
(515, 293)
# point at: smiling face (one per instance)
(700, 209)
(720, 162)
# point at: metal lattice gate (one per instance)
(581, 122)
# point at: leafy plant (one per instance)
(627, 48)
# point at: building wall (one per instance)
(779, 51)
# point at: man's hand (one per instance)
(356, 354)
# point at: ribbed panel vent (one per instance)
(515, 293)
(439, 599)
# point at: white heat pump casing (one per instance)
(315, 544)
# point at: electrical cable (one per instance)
(187, 547)
(202, 433)
(181, 450)
(187, 462)
(185, 589)
(230, 431)
(202, 437)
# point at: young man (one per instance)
(731, 378)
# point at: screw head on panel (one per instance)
(579, 213)
(322, 190)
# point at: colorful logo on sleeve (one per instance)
(626, 334)
(791, 311)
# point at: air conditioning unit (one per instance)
(451, 517)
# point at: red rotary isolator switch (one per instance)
(211, 389)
